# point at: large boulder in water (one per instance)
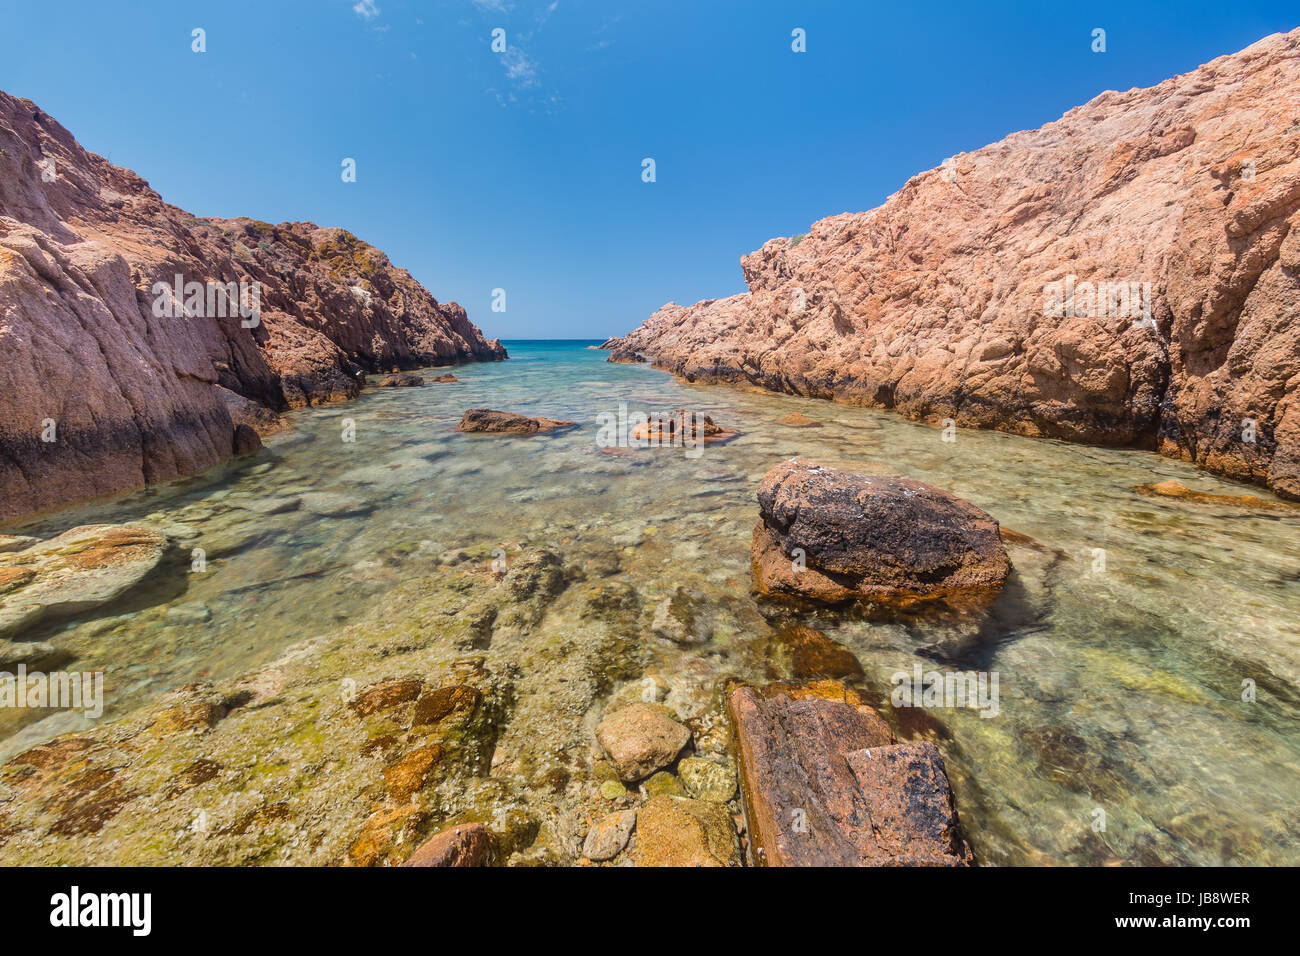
(831, 535)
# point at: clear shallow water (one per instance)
(1120, 689)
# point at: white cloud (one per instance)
(366, 9)
(519, 67)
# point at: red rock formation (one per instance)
(936, 303)
(132, 396)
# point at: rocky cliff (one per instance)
(1126, 275)
(109, 381)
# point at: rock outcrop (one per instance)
(830, 535)
(824, 783)
(507, 423)
(975, 293)
(110, 378)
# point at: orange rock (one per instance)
(466, 844)
(824, 784)
(1176, 489)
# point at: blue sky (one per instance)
(478, 170)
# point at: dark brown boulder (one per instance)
(824, 784)
(830, 535)
(401, 380)
(623, 356)
(507, 423)
(468, 844)
(246, 440)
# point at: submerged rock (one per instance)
(679, 619)
(507, 423)
(606, 839)
(679, 831)
(640, 739)
(662, 783)
(707, 779)
(15, 542)
(830, 535)
(1176, 489)
(796, 420)
(804, 652)
(401, 380)
(79, 570)
(824, 784)
(468, 844)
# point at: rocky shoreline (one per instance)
(1127, 275)
(169, 342)
(454, 727)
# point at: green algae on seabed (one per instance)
(1122, 641)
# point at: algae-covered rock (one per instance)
(663, 783)
(707, 779)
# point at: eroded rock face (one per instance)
(507, 423)
(830, 535)
(936, 304)
(825, 784)
(100, 393)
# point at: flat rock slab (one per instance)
(824, 784)
(79, 570)
(830, 535)
(507, 423)
(606, 839)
